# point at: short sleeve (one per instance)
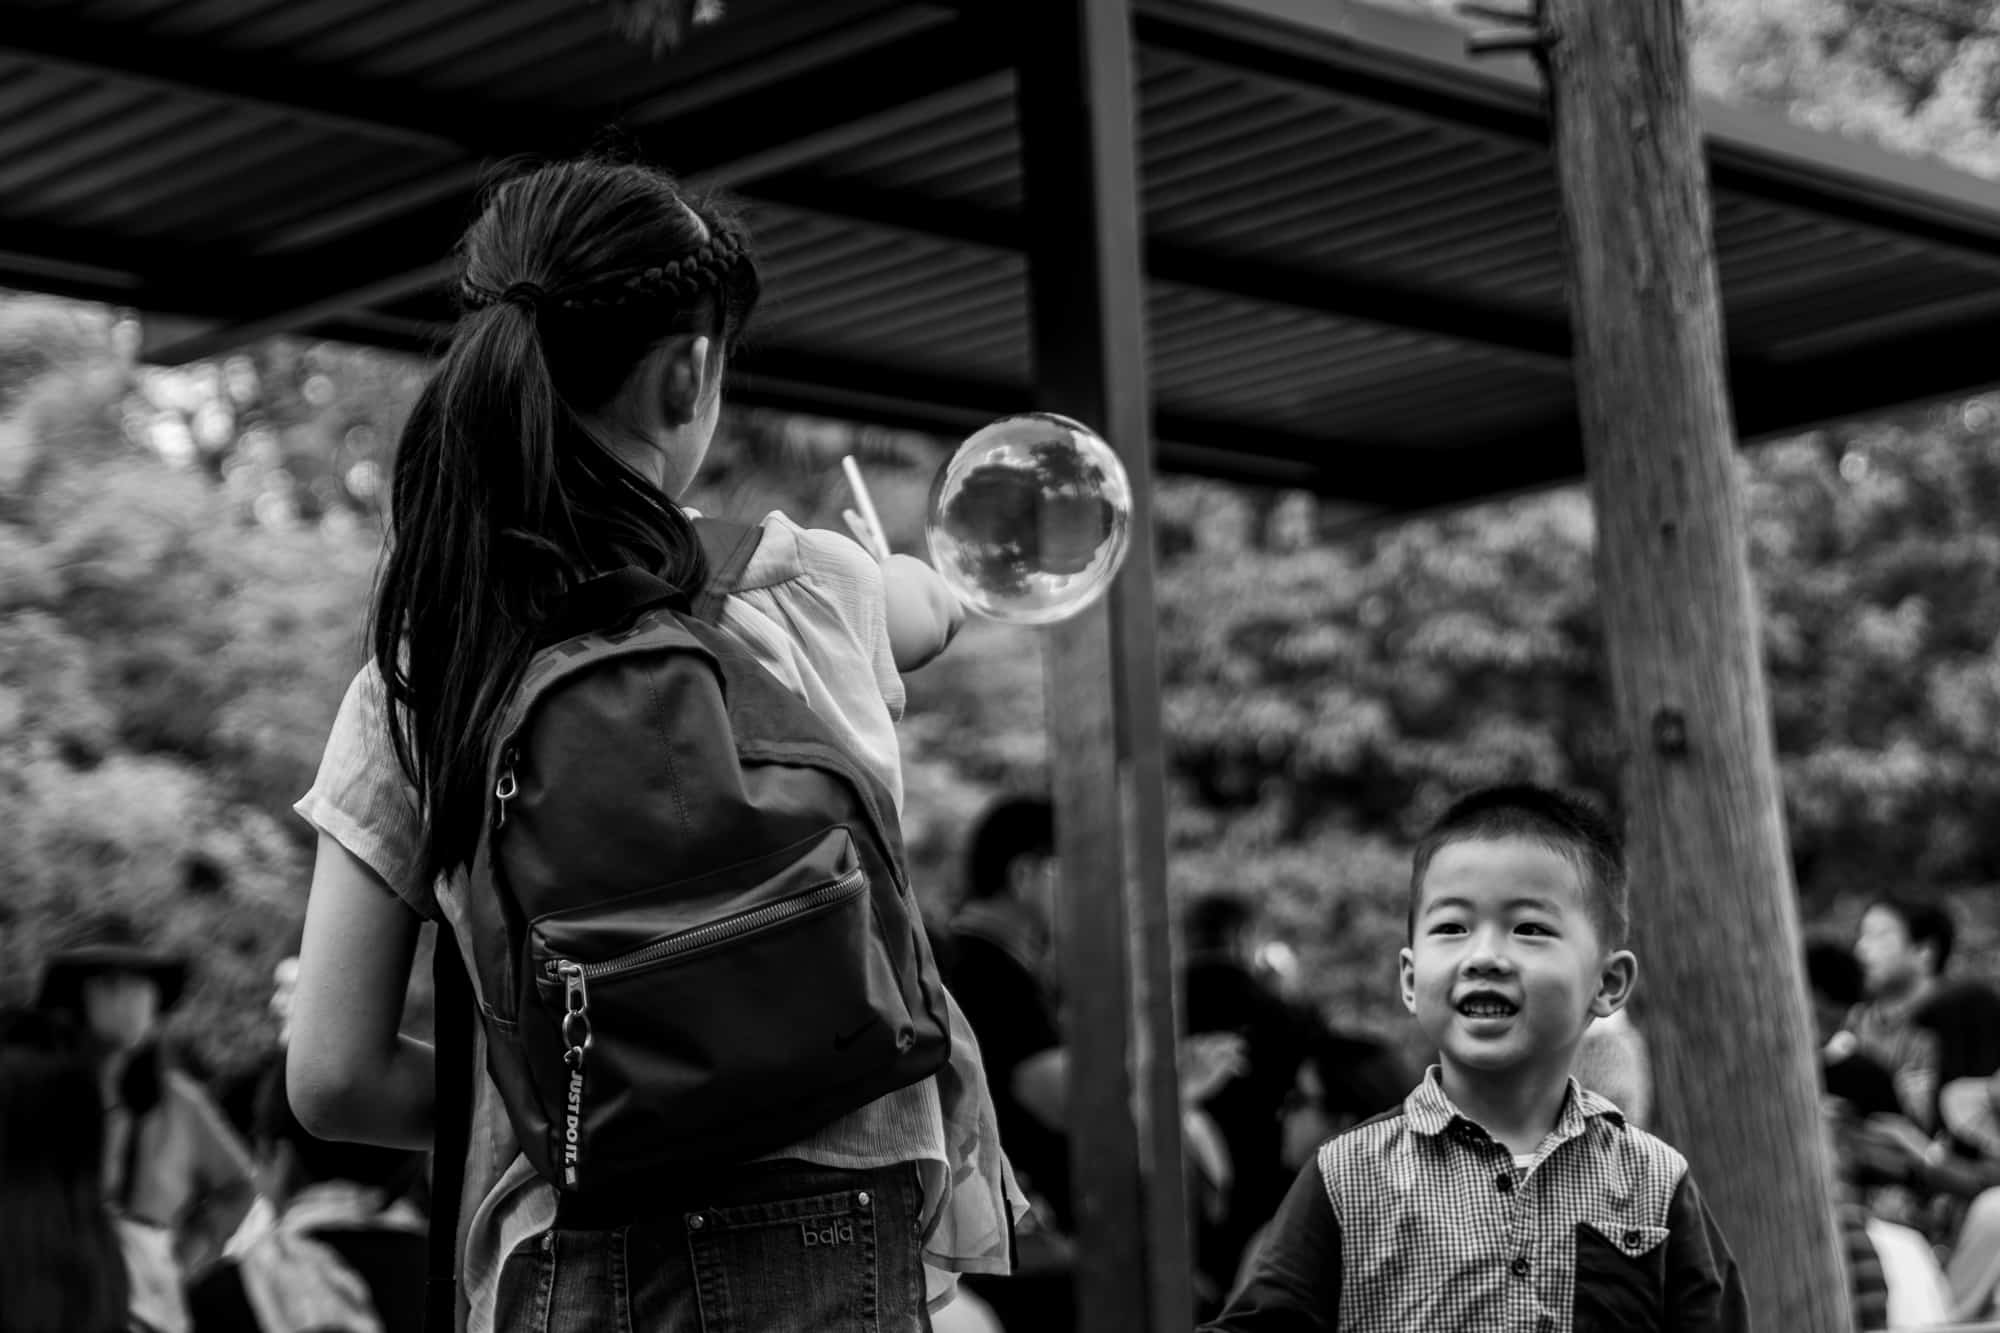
(362, 800)
(851, 580)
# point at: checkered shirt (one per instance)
(1419, 1219)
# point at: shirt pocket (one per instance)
(1621, 1279)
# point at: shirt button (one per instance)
(1520, 1266)
(1632, 1239)
(1504, 1183)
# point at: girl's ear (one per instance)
(1407, 965)
(684, 378)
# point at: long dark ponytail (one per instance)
(500, 496)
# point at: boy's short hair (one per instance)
(1564, 824)
(1012, 828)
(1925, 921)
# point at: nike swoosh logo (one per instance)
(847, 1039)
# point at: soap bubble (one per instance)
(1029, 520)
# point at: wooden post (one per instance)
(1079, 159)
(1716, 922)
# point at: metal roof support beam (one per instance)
(389, 113)
(1339, 49)
(1079, 120)
(1535, 342)
(400, 253)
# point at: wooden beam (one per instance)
(1716, 918)
(1079, 154)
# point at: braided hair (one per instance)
(501, 497)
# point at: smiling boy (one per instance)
(1500, 1195)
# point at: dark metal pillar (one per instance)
(1079, 122)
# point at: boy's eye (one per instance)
(1447, 928)
(1533, 928)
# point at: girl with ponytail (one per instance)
(572, 409)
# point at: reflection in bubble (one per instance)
(1028, 522)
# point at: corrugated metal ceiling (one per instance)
(1334, 264)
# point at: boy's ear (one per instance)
(1614, 983)
(1406, 963)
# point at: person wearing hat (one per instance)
(178, 1177)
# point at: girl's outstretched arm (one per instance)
(351, 1073)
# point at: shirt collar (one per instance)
(1431, 1112)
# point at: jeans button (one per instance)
(862, 1199)
(695, 1221)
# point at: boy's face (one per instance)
(1505, 969)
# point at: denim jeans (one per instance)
(783, 1247)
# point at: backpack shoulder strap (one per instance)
(452, 1117)
(728, 547)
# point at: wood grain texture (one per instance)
(1715, 916)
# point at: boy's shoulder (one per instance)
(1612, 1150)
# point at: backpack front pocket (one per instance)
(689, 1023)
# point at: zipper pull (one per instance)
(576, 1041)
(576, 1013)
(507, 788)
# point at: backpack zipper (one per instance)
(506, 788)
(576, 974)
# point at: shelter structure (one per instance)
(1305, 243)
(1352, 253)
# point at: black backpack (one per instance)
(693, 932)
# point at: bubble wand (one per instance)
(866, 525)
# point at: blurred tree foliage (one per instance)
(181, 606)
(185, 558)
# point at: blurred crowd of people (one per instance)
(1910, 1067)
(1264, 1078)
(137, 1200)
(132, 1202)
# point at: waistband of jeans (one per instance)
(765, 1181)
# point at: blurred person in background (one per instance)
(1903, 947)
(62, 1269)
(173, 1169)
(345, 1251)
(1224, 991)
(997, 960)
(1893, 1275)
(1613, 1061)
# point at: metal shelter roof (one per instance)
(1352, 237)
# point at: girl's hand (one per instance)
(923, 614)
